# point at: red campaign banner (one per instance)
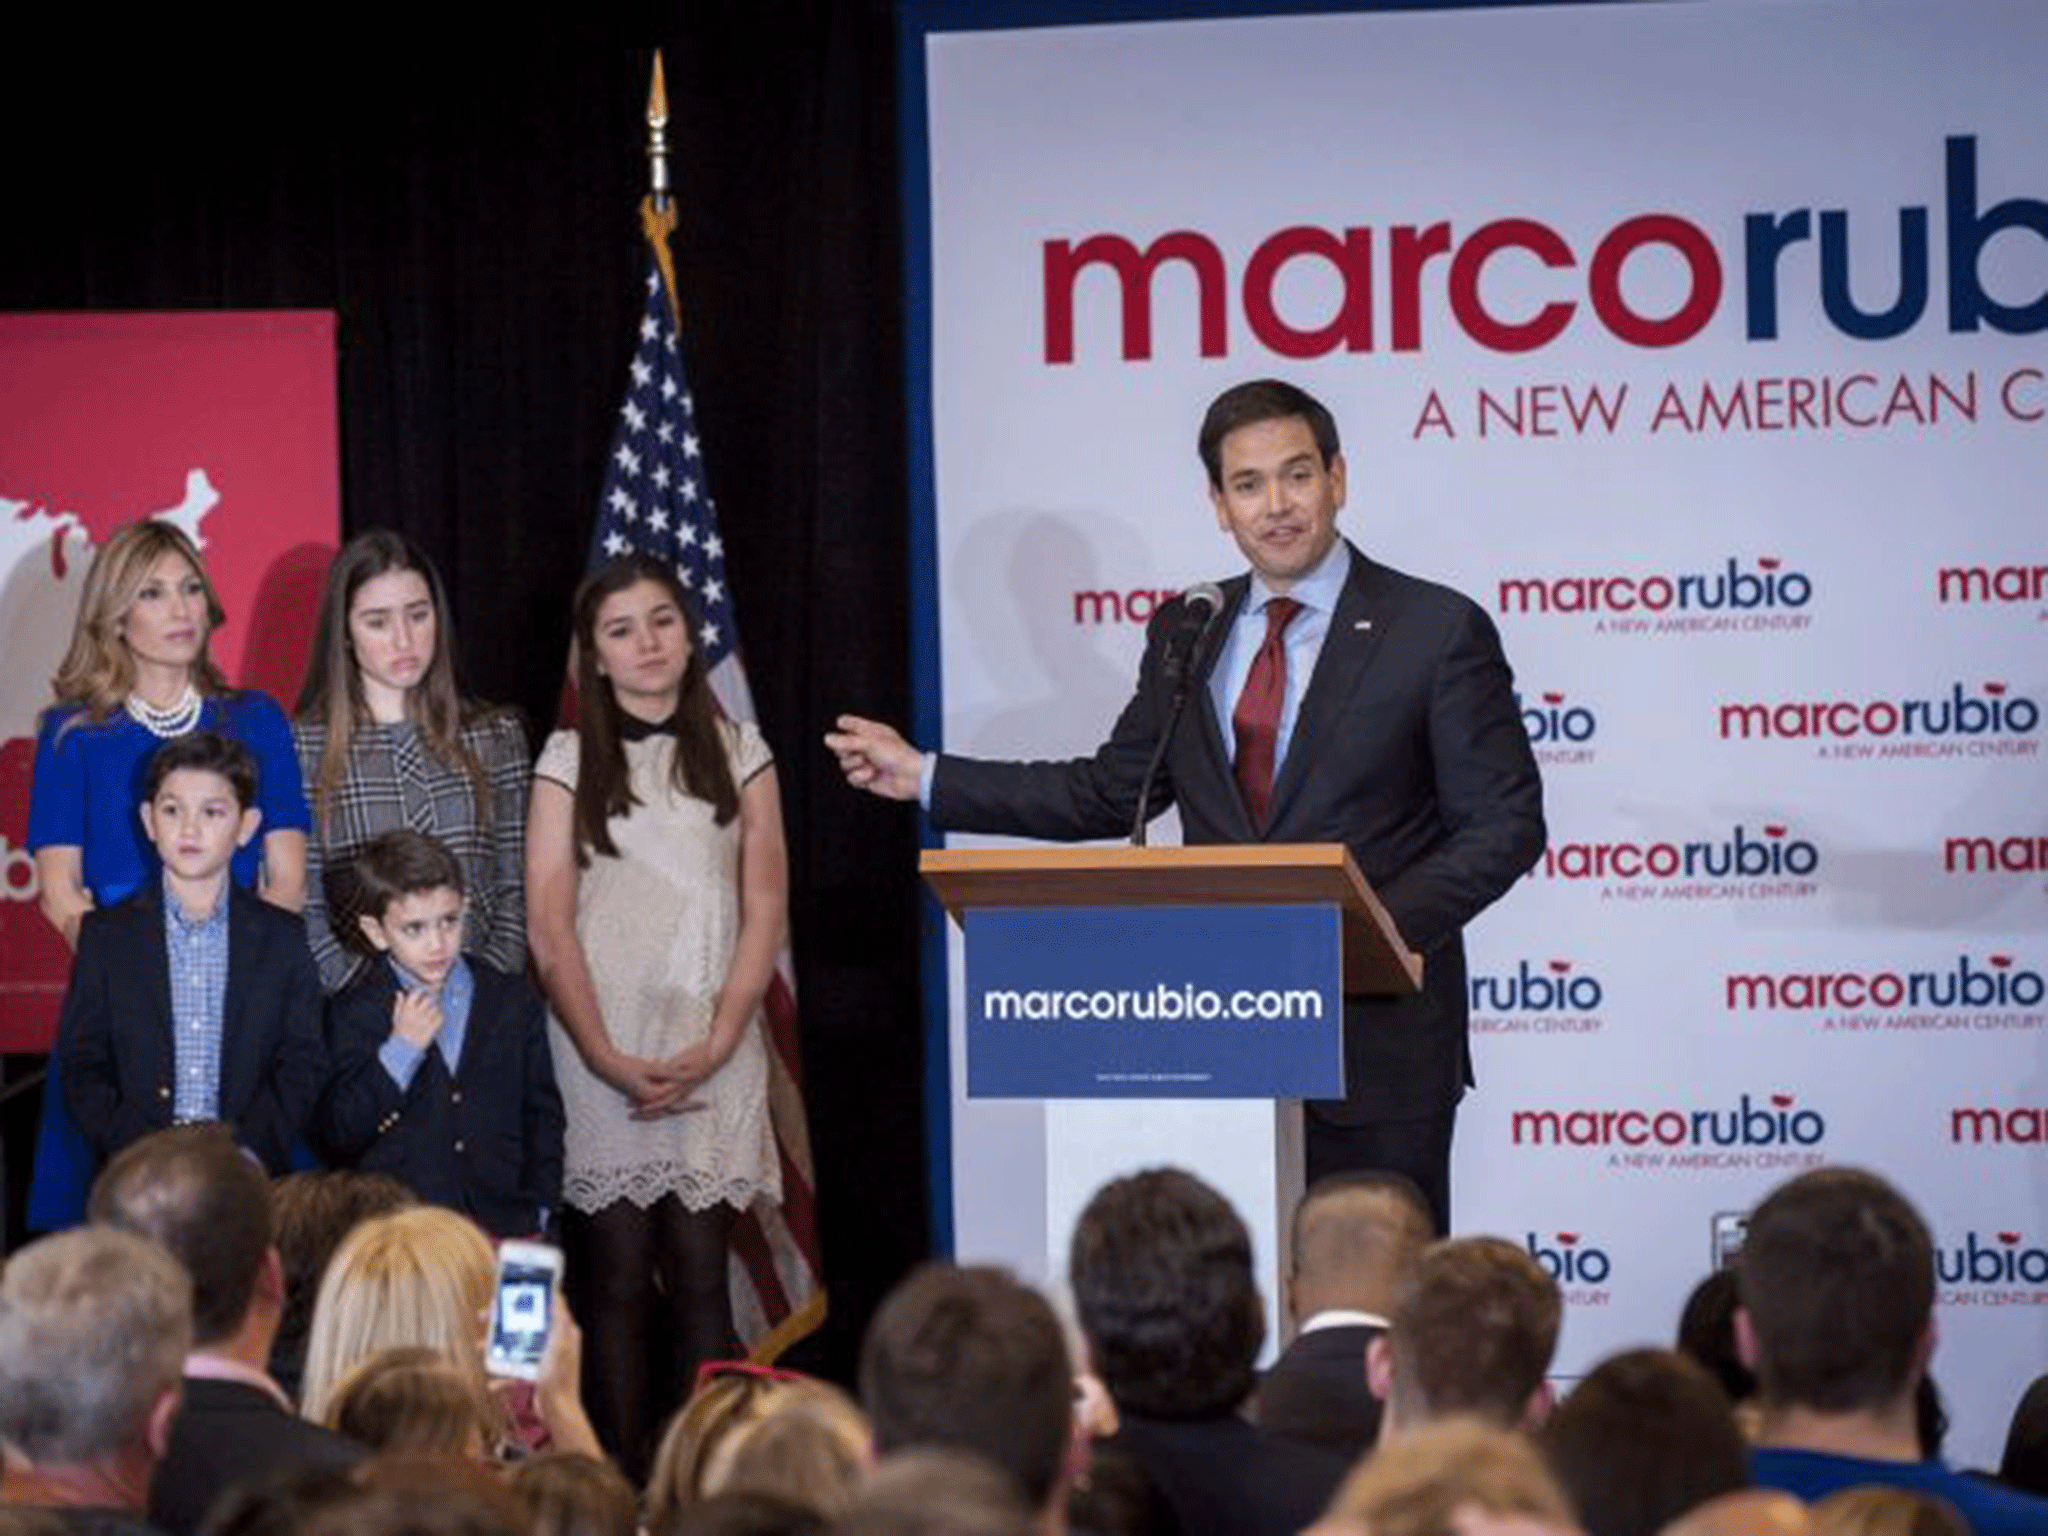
(221, 423)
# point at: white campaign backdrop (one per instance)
(1058, 478)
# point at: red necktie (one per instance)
(1256, 720)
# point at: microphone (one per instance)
(1199, 606)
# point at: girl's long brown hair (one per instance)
(332, 694)
(701, 768)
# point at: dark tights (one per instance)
(649, 1289)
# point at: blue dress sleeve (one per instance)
(56, 795)
(280, 789)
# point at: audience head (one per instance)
(1886, 1512)
(1355, 1235)
(1644, 1438)
(811, 1446)
(411, 1400)
(192, 1192)
(970, 1357)
(1161, 1272)
(938, 1491)
(2025, 1462)
(1837, 1285)
(423, 1496)
(315, 1211)
(94, 1328)
(741, 1514)
(1706, 1332)
(417, 1276)
(1434, 1481)
(728, 1397)
(279, 1503)
(1474, 1326)
(565, 1494)
(144, 569)
(1751, 1512)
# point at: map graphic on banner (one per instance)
(223, 424)
(1713, 362)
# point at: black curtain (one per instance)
(468, 208)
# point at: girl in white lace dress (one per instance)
(656, 888)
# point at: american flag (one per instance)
(655, 501)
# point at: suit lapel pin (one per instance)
(1363, 624)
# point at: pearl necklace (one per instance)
(173, 719)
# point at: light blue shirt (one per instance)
(401, 1058)
(1317, 592)
(198, 956)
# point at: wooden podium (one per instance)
(1248, 1148)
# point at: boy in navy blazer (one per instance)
(194, 1000)
(442, 1077)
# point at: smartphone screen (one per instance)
(522, 1309)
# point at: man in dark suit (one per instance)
(192, 1192)
(1161, 1272)
(1346, 702)
(1356, 1235)
(193, 1000)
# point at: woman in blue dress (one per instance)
(138, 672)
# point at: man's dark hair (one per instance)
(1647, 1436)
(204, 752)
(1474, 1327)
(1706, 1332)
(1161, 1271)
(315, 1210)
(970, 1357)
(192, 1192)
(1837, 1276)
(402, 863)
(1259, 400)
(936, 1491)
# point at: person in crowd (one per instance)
(138, 672)
(192, 1193)
(315, 1210)
(812, 1446)
(441, 1075)
(566, 1494)
(1355, 1237)
(94, 1325)
(1645, 1437)
(1750, 1512)
(1837, 1319)
(2025, 1461)
(1886, 1512)
(938, 1490)
(969, 1357)
(280, 1503)
(1706, 1332)
(405, 1495)
(387, 739)
(191, 1000)
(730, 1396)
(740, 1514)
(412, 1401)
(1474, 1327)
(1161, 1272)
(1457, 1476)
(425, 1276)
(656, 887)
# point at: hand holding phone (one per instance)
(522, 1309)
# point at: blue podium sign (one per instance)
(1155, 1002)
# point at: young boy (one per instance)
(442, 1077)
(194, 1000)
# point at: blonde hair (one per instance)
(412, 1400)
(719, 1410)
(98, 672)
(1886, 1512)
(1414, 1483)
(418, 1276)
(809, 1444)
